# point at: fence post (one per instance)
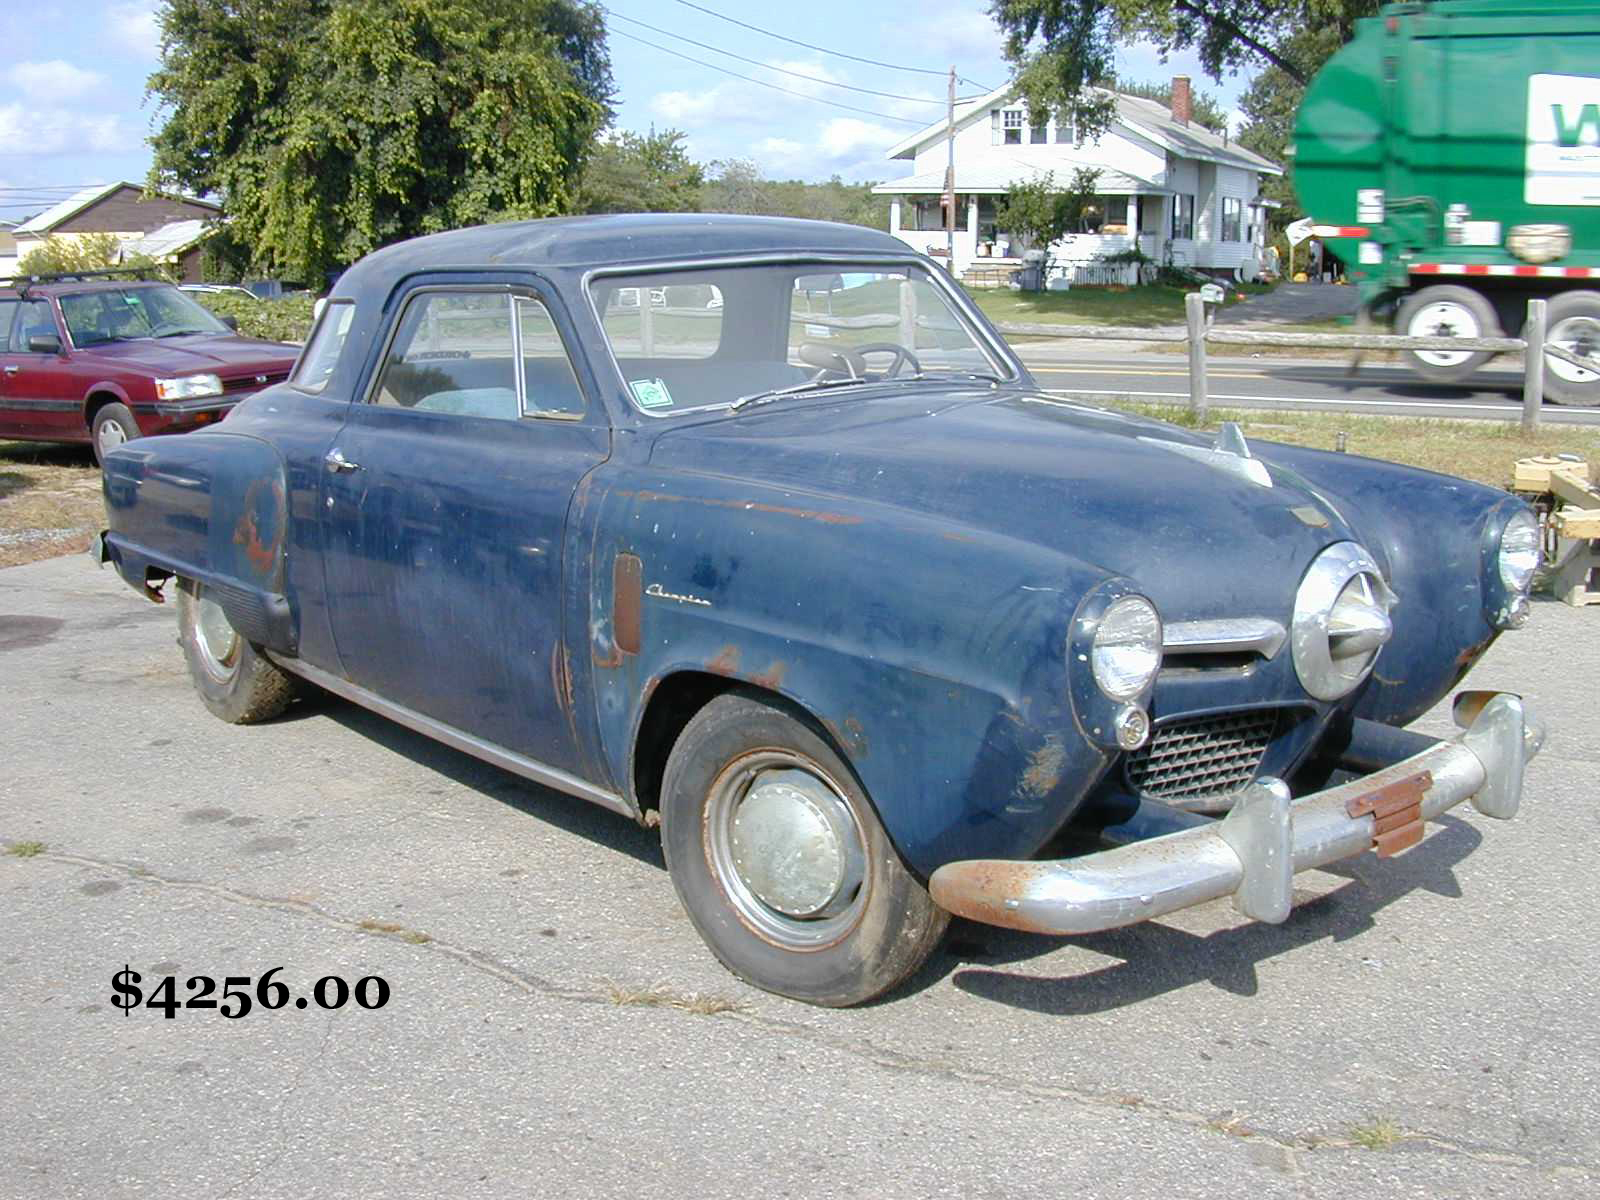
(1533, 367)
(1194, 309)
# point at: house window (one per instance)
(928, 215)
(1232, 216)
(1182, 218)
(1065, 132)
(1011, 126)
(1039, 132)
(1104, 214)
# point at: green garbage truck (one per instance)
(1450, 155)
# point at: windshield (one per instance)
(692, 339)
(123, 314)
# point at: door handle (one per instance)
(337, 463)
(12, 369)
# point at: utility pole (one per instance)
(950, 177)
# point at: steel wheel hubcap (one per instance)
(1576, 335)
(215, 638)
(787, 849)
(112, 435)
(1444, 319)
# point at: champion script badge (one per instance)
(661, 593)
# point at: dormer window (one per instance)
(1011, 122)
(1065, 134)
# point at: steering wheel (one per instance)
(902, 357)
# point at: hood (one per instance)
(1134, 497)
(193, 354)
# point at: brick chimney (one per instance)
(1182, 100)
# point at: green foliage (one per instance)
(1207, 112)
(738, 186)
(1040, 212)
(84, 252)
(630, 173)
(1061, 48)
(333, 127)
(286, 319)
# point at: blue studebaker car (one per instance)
(757, 530)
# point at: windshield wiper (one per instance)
(772, 394)
(986, 376)
(176, 333)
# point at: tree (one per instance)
(1040, 213)
(1207, 112)
(738, 188)
(83, 252)
(1060, 50)
(332, 127)
(633, 173)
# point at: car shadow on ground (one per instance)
(1155, 958)
(569, 813)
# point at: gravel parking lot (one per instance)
(1426, 1026)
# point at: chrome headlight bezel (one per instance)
(1512, 554)
(1344, 573)
(1105, 719)
(189, 387)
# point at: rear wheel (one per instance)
(1447, 311)
(1573, 323)
(113, 424)
(234, 679)
(781, 862)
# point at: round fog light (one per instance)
(1132, 727)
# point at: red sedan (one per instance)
(104, 362)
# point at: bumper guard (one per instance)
(1254, 852)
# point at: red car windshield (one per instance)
(124, 314)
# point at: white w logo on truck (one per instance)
(1563, 162)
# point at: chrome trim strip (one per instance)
(1252, 854)
(1227, 635)
(509, 760)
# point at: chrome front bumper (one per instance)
(1253, 853)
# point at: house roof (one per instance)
(998, 174)
(171, 239)
(1148, 117)
(83, 198)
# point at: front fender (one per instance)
(210, 507)
(935, 656)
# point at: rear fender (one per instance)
(209, 507)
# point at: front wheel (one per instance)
(782, 864)
(113, 425)
(1447, 311)
(234, 679)
(1573, 323)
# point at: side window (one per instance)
(321, 354)
(8, 313)
(549, 388)
(454, 352)
(33, 317)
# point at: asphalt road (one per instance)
(1447, 998)
(1322, 385)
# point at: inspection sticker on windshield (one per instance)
(651, 393)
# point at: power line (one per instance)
(823, 49)
(763, 83)
(756, 62)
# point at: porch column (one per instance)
(894, 214)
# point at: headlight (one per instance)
(1126, 652)
(1519, 552)
(190, 387)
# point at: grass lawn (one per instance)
(1141, 307)
(49, 501)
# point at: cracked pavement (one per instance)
(1440, 1005)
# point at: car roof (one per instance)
(613, 240)
(62, 287)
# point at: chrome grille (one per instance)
(251, 383)
(1203, 756)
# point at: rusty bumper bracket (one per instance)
(1254, 852)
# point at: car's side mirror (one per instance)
(44, 343)
(231, 322)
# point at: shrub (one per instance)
(286, 319)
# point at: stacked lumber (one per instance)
(1574, 507)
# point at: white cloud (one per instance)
(961, 35)
(845, 137)
(133, 24)
(53, 80)
(31, 131)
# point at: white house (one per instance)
(1182, 194)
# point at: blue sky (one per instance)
(72, 107)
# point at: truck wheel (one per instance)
(1446, 311)
(234, 679)
(113, 425)
(781, 862)
(1573, 323)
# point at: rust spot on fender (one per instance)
(850, 735)
(561, 677)
(772, 677)
(262, 554)
(1044, 769)
(627, 603)
(726, 662)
